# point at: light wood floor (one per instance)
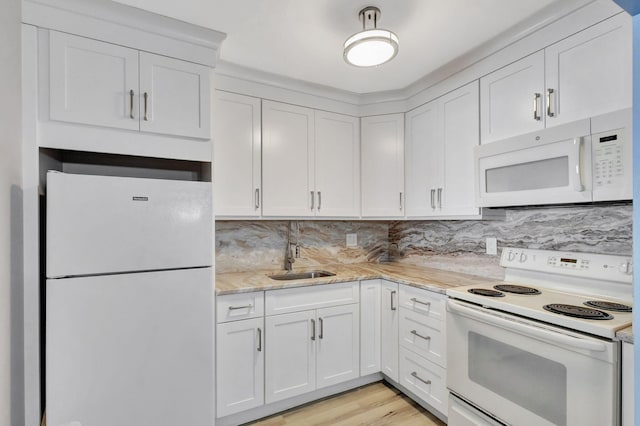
(376, 404)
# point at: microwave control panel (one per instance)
(608, 164)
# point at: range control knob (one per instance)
(523, 257)
(511, 256)
(626, 268)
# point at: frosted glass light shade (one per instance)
(369, 48)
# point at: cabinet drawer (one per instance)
(425, 379)
(233, 307)
(423, 335)
(312, 297)
(424, 302)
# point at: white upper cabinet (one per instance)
(383, 166)
(461, 130)
(590, 73)
(584, 75)
(237, 152)
(287, 166)
(92, 82)
(423, 153)
(439, 155)
(175, 98)
(102, 84)
(337, 165)
(512, 99)
(310, 162)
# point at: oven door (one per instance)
(548, 167)
(528, 373)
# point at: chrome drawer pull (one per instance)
(259, 340)
(415, 333)
(426, 382)
(321, 335)
(536, 111)
(146, 100)
(549, 100)
(413, 299)
(393, 308)
(233, 308)
(313, 329)
(131, 104)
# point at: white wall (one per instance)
(11, 389)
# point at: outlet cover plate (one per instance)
(492, 246)
(352, 240)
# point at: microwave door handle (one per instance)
(525, 329)
(577, 181)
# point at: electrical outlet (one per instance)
(352, 240)
(492, 246)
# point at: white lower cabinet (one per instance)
(240, 366)
(290, 357)
(389, 330)
(370, 315)
(425, 379)
(311, 349)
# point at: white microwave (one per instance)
(583, 161)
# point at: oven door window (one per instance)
(504, 369)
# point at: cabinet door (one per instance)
(461, 122)
(240, 366)
(236, 158)
(337, 163)
(338, 347)
(290, 349)
(389, 330)
(590, 72)
(92, 82)
(174, 97)
(507, 98)
(370, 306)
(383, 166)
(287, 163)
(423, 159)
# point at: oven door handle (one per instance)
(526, 329)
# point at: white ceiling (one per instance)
(303, 39)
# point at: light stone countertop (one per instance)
(436, 280)
(626, 334)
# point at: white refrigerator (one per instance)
(129, 302)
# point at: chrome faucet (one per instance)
(288, 254)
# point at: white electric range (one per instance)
(520, 352)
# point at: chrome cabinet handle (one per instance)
(393, 293)
(259, 340)
(319, 200)
(549, 112)
(536, 105)
(413, 299)
(433, 198)
(257, 203)
(313, 200)
(321, 335)
(131, 104)
(415, 333)
(313, 329)
(439, 198)
(146, 99)
(401, 201)
(233, 308)
(426, 382)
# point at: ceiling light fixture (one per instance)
(371, 46)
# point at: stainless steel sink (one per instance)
(300, 275)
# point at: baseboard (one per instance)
(277, 407)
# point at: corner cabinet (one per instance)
(310, 162)
(440, 137)
(383, 166)
(237, 150)
(584, 75)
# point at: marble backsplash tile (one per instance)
(460, 245)
(251, 245)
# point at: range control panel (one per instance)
(588, 265)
